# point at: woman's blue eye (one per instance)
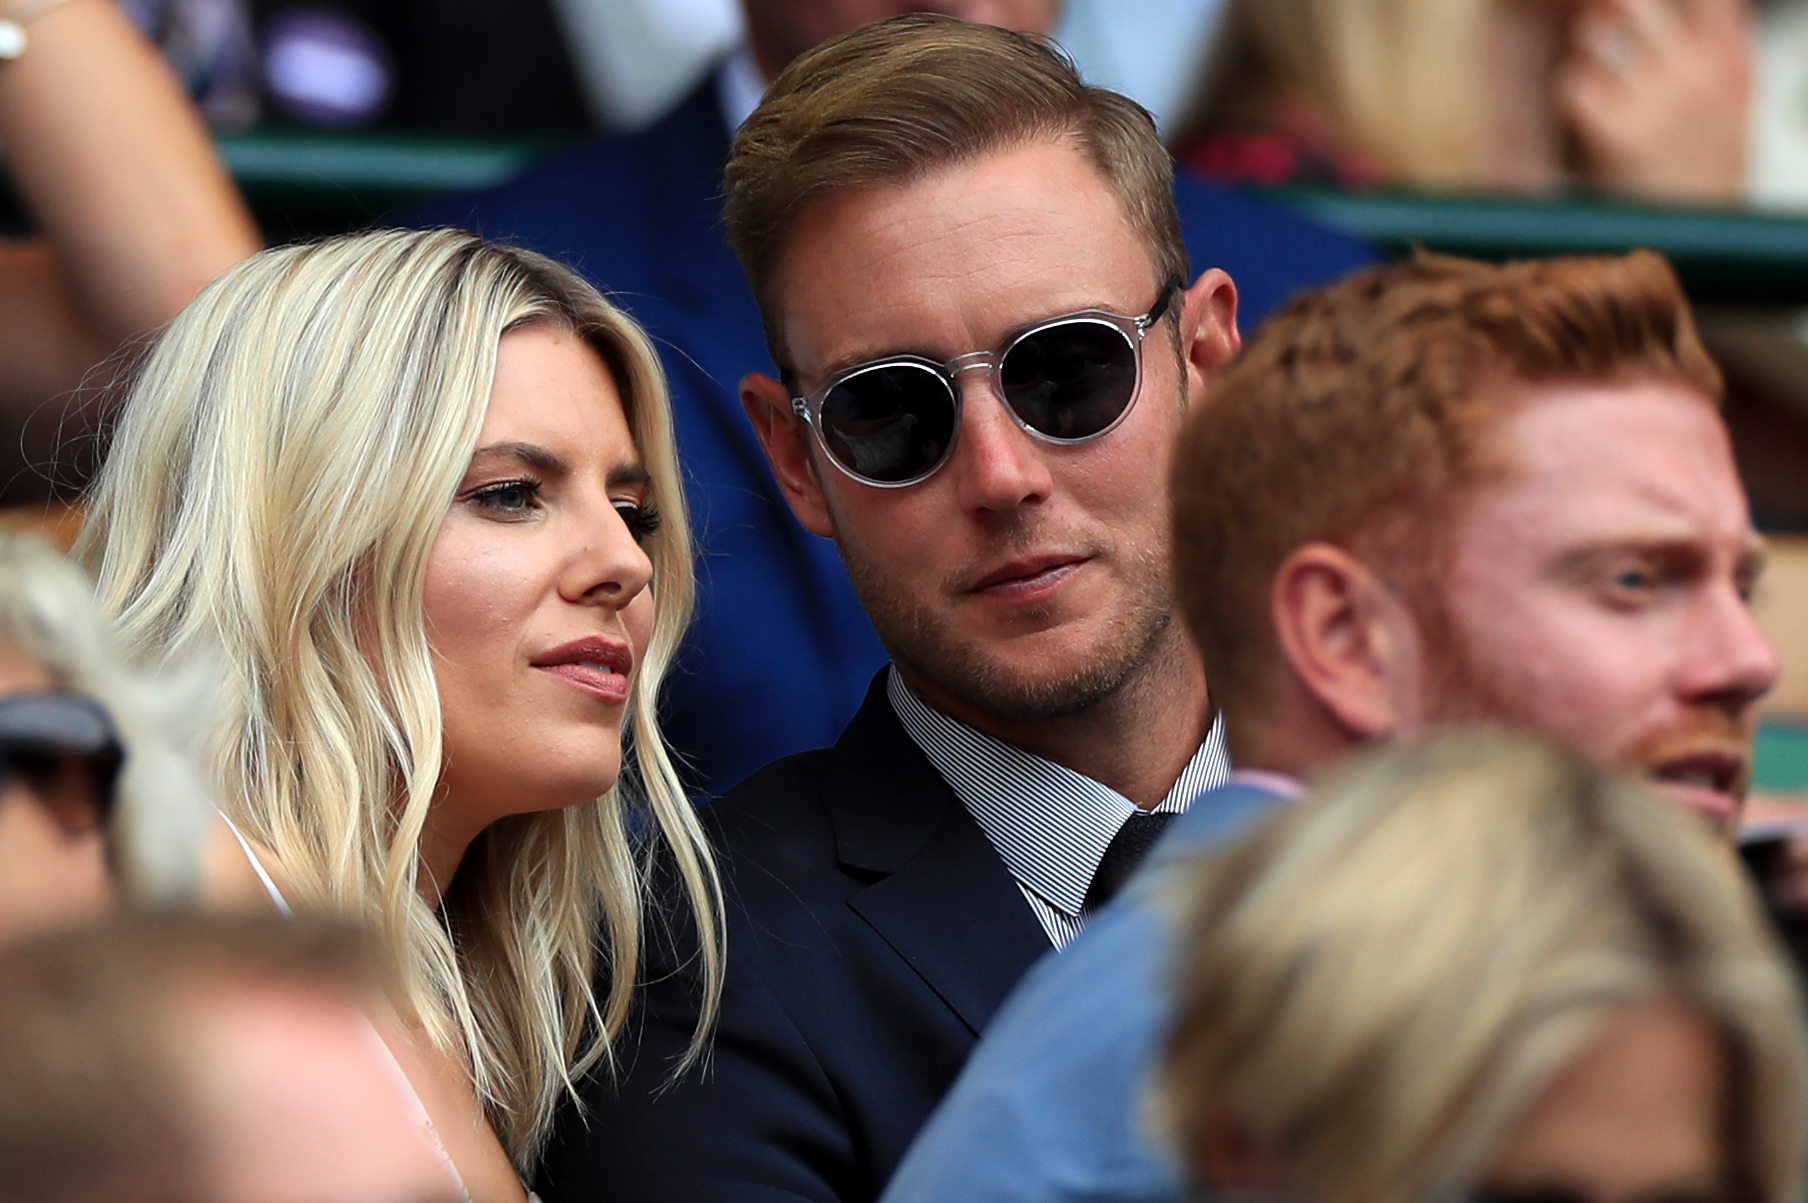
(509, 496)
(641, 519)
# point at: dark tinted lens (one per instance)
(1072, 380)
(889, 424)
(76, 790)
(62, 749)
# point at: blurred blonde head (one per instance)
(1399, 80)
(48, 612)
(275, 485)
(1379, 983)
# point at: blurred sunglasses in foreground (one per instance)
(894, 421)
(63, 749)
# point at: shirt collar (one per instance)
(739, 88)
(1049, 824)
(1281, 785)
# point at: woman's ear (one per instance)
(1349, 640)
(786, 438)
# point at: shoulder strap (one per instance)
(263, 874)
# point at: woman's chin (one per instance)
(560, 780)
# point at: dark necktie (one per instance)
(1126, 851)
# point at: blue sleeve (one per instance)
(1051, 1105)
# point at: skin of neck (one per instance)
(1287, 731)
(1137, 741)
(444, 842)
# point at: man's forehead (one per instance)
(952, 261)
(1645, 460)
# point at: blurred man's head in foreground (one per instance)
(1445, 490)
(1481, 969)
(177, 1059)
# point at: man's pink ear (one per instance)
(1208, 328)
(789, 449)
(1348, 639)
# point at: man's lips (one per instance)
(1709, 780)
(1028, 576)
(598, 666)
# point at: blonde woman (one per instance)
(98, 804)
(1480, 969)
(1642, 98)
(420, 492)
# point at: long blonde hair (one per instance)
(276, 482)
(1382, 981)
(1400, 80)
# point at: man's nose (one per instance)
(1732, 661)
(998, 465)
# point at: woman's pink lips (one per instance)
(605, 686)
(597, 665)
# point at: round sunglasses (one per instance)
(894, 421)
(63, 749)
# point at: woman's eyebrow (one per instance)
(628, 474)
(528, 453)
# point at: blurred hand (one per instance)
(1655, 94)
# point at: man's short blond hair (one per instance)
(897, 99)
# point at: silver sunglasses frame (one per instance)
(1133, 330)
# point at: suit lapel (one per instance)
(944, 901)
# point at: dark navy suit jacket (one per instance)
(781, 651)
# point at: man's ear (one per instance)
(1208, 329)
(1349, 639)
(788, 447)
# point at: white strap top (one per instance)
(417, 1112)
(257, 866)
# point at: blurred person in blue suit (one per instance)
(1394, 516)
(781, 653)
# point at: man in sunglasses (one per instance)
(974, 285)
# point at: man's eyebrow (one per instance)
(1648, 546)
(528, 453)
(856, 358)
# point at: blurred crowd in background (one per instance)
(1452, 957)
(1693, 100)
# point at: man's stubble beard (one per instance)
(918, 635)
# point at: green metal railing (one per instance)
(312, 182)
(1750, 258)
(1780, 764)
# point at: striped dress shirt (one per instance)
(1049, 824)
